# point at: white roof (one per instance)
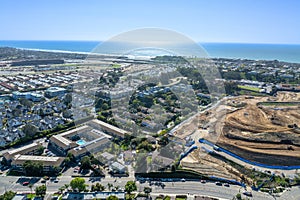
(14, 151)
(36, 158)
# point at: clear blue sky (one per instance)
(246, 21)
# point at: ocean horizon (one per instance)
(281, 52)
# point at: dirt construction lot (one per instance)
(265, 132)
(261, 129)
(256, 128)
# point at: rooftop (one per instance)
(22, 149)
(55, 89)
(36, 158)
(61, 138)
(109, 127)
(47, 161)
(94, 195)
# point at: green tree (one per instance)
(105, 106)
(61, 189)
(30, 186)
(100, 187)
(130, 187)
(40, 190)
(33, 168)
(67, 186)
(238, 196)
(30, 130)
(112, 197)
(26, 102)
(97, 188)
(9, 195)
(16, 112)
(147, 190)
(41, 150)
(78, 184)
(164, 140)
(109, 185)
(67, 99)
(67, 161)
(71, 156)
(85, 163)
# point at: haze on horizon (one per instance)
(247, 21)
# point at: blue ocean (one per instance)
(281, 52)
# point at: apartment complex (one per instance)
(49, 163)
(107, 128)
(80, 141)
(30, 149)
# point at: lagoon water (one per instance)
(281, 52)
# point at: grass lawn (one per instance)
(116, 66)
(244, 87)
(30, 196)
(129, 196)
(167, 198)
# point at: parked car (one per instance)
(25, 183)
(226, 185)
(219, 183)
(203, 181)
(142, 180)
(249, 194)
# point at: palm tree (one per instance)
(67, 186)
(109, 185)
(61, 189)
(147, 191)
(30, 186)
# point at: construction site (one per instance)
(260, 129)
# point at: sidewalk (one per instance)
(189, 197)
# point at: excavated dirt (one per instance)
(268, 134)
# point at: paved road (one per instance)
(206, 189)
(294, 193)
(188, 187)
(15, 184)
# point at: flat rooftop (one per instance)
(55, 89)
(74, 131)
(23, 148)
(36, 158)
(109, 127)
(47, 161)
(61, 138)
